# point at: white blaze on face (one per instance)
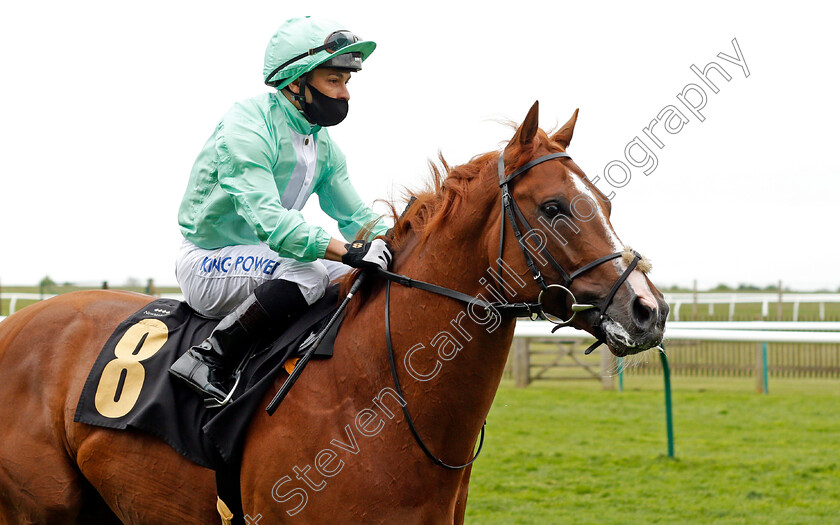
(636, 280)
(639, 284)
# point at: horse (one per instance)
(341, 448)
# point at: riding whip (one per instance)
(290, 381)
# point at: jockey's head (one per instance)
(310, 60)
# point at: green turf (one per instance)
(572, 453)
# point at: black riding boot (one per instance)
(207, 367)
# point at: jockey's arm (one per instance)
(339, 199)
(335, 249)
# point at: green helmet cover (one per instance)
(298, 35)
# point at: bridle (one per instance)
(534, 310)
(510, 211)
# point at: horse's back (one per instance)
(46, 351)
(48, 347)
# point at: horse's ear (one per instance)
(528, 130)
(564, 136)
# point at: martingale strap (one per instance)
(389, 343)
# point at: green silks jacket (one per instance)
(256, 172)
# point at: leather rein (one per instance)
(533, 310)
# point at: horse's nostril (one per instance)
(643, 315)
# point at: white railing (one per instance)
(675, 300)
(760, 332)
(798, 326)
(751, 331)
(15, 297)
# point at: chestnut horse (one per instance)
(339, 449)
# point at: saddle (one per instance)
(129, 385)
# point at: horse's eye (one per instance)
(551, 209)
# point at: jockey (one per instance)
(248, 256)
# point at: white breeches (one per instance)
(214, 282)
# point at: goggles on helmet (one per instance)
(335, 41)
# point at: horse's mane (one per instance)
(442, 197)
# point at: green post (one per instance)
(764, 364)
(669, 420)
(620, 375)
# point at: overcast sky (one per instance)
(105, 106)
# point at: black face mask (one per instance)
(324, 110)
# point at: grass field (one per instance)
(572, 453)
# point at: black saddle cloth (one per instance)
(211, 437)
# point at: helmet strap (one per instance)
(300, 97)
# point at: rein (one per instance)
(534, 311)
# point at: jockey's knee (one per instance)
(312, 280)
(280, 298)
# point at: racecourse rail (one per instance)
(15, 297)
(675, 300)
(745, 331)
(731, 360)
(815, 352)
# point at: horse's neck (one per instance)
(449, 357)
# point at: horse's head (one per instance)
(564, 226)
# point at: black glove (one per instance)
(361, 254)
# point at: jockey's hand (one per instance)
(361, 254)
